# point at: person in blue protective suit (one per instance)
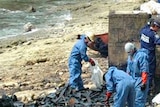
(78, 54)
(148, 40)
(122, 84)
(137, 67)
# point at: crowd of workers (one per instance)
(132, 86)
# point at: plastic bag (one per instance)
(96, 75)
(156, 99)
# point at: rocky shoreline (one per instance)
(37, 61)
(89, 16)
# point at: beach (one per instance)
(36, 61)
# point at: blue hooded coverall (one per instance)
(135, 66)
(78, 54)
(122, 84)
(149, 40)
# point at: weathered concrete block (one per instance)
(157, 17)
(117, 55)
(158, 62)
(123, 27)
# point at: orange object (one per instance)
(108, 94)
(144, 77)
(103, 36)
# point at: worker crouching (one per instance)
(120, 83)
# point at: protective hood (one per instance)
(90, 35)
(144, 50)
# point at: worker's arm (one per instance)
(144, 65)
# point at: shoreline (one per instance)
(80, 23)
(18, 39)
(41, 63)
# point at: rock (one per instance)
(18, 104)
(28, 27)
(31, 9)
(9, 84)
(31, 95)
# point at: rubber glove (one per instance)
(92, 62)
(108, 95)
(144, 80)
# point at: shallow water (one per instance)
(14, 15)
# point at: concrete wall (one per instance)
(158, 62)
(123, 27)
(157, 17)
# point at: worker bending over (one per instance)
(122, 84)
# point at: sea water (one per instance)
(14, 15)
